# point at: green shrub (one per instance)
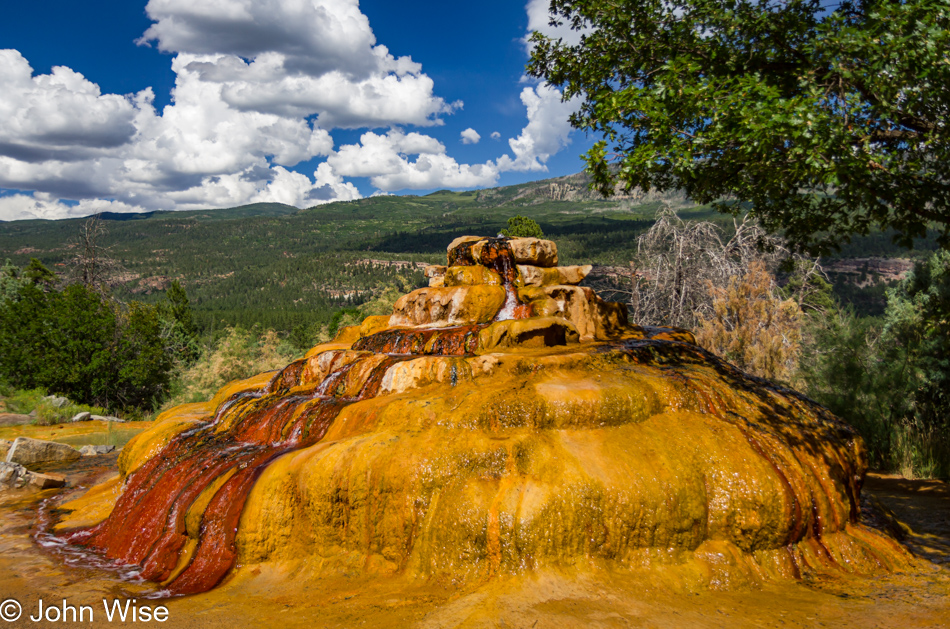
(79, 344)
(25, 401)
(238, 354)
(47, 414)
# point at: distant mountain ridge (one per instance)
(568, 188)
(282, 267)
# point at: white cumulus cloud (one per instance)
(547, 132)
(470, 136)
(310, 37)
(260, 86)
(44, 206)
(58, 116)
(388, 161)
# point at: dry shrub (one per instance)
(751, 326)
(238, 354)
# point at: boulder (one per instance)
(448, 306)
(84, 416)
(15, 476)
(435, 270)
(57, 401)
(534, 251)
(4, 448)
(594, 318)
(461, 240)
(47, 481)
(558, 275)
(471, 276)
(26, 451)
(106, 418)
(91, 450)
(14, 419)
(468, 251)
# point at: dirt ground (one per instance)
(917, 510)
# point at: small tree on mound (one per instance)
(522, 227)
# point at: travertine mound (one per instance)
(493, 426)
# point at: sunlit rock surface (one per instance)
(491, 427)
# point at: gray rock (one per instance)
(26, 451)
(107, 418)
(57, 401)
(14, 419)
(81, 417)
(94, 450)
(15, 476)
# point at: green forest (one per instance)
(135, 313)
(281, 268)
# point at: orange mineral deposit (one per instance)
(497, 423)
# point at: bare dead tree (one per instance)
(93, 265)
(677, 261)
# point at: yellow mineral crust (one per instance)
(569, 440)
(571, 460)
(559, 275)
(448, 306)
(470, 276)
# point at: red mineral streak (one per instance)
(147, 526)
(439, 341)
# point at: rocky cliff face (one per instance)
(502, 421)
(570, 188)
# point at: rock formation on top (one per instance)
(501, 421)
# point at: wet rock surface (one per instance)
(487, 432)
(15, 476)
(96, 450)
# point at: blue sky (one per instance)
(175, 104)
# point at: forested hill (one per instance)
(280, 267)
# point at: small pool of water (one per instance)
(80, 433)
(117, 437)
